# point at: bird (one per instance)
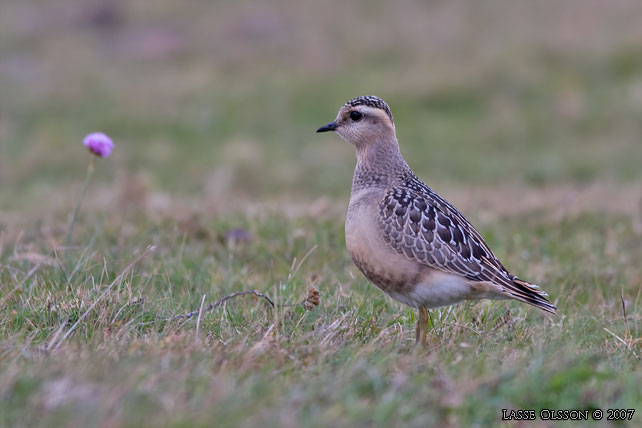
(404, 237)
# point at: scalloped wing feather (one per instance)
(421, 225)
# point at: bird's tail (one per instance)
(531, 294)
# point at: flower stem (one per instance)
(74, 214)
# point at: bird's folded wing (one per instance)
(421, 225)
(426, 228)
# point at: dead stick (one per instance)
(221, 301)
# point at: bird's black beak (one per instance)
(329, 127)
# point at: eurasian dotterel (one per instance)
(405, 238)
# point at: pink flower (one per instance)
(99, 144)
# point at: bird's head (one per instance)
(363, 121)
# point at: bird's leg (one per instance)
(422, 326)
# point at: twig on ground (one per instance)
(220, 302)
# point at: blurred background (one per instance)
(219, 101)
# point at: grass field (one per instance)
(526, 115)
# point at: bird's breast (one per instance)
(383, 266)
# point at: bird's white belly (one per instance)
(441, 289)
(434, 290)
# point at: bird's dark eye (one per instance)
(356, 116)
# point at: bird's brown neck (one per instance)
(378, 165)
